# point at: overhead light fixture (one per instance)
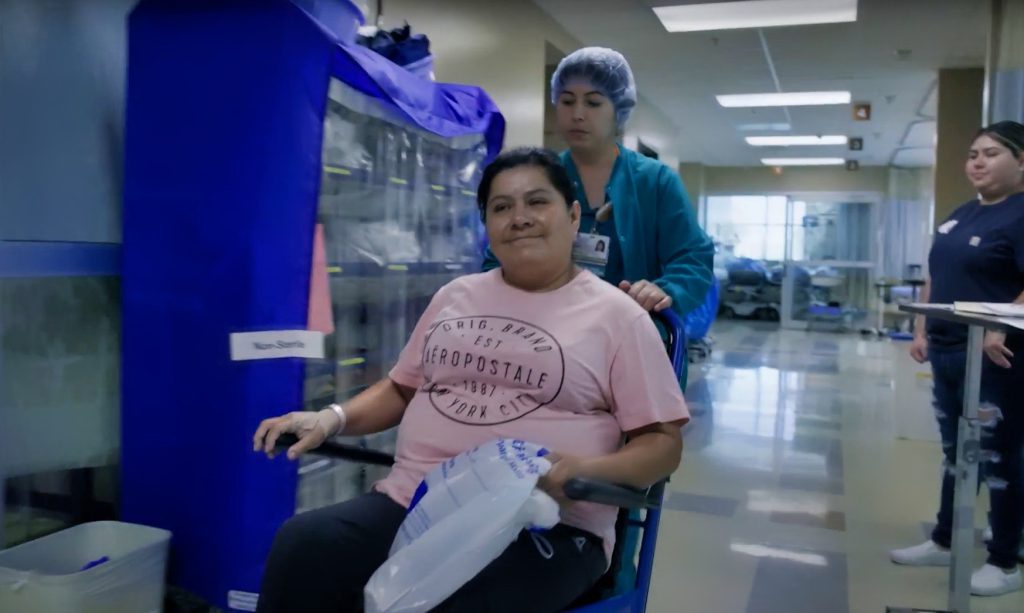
(764, 127)
(803, 161)
(787, 141)
(754, 14)
(783, 99)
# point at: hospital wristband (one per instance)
(342, 418)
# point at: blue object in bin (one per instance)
(94, 563)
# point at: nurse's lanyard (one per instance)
(602, 215)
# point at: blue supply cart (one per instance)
(252, 129)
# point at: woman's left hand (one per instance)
(563, 468)
(648, 295)
(996, 350)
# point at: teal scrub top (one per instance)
(658, 235)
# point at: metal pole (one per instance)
(968, 454)
(992, 60)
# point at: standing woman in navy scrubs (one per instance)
(978, 256)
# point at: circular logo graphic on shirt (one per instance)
(491, 370)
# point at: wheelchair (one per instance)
(608, 595)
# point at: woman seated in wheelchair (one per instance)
(537, 349)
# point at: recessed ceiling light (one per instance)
(754, 14)
(784, 99)
(764, 127)
(803, 161)
(786, 141)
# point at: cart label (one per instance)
(277, 344)
(242, 601)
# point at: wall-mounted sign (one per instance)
(856, 143)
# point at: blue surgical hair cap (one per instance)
(606, 70)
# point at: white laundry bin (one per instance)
(45, 575)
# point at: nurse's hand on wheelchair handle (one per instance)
(312, 429)
(648, 295)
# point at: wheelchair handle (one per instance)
(341, 451)
(603, 492)
(675, 342)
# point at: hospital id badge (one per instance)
(590, 251)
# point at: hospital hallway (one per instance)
(793, 485)
(336, 306)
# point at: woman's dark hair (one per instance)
(539, 157)
(1010, 134)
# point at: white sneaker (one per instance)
(993, 581)
(925, 554)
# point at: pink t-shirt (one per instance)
(571, 369)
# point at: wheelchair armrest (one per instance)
(341, 451)
(588, 490)
(602, 492)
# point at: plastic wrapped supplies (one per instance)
(466, 512)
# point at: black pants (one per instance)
(321, 560)
(1004, 472)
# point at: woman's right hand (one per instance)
(919, 349)
(995, 348)
(312, 429)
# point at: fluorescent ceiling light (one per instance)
(764, 127)
(754, 14)
(803, 161)
(783, 99)
(786, 141)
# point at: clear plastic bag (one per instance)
(465, 514)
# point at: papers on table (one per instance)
(990, 308)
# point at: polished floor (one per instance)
(794, 485)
